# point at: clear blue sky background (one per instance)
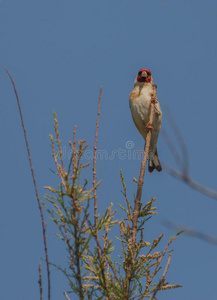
(59, 54)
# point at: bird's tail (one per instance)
(154, 162)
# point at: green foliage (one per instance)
(92, 271)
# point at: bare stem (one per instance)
(40, 282)
(142, 172)
(67, 297)
(35, 185)
(94, 160)
(162, 280)
(159, 261)
(95, 192)
(94, 174)
(192, 183)
(137, 202)
(183, 162)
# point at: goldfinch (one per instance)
(140, 103)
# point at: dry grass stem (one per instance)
(162, 255)
(94, 158)
(192, 183)
(67, 297)
(162, 280)
(40, 282)
(35, 185)
(191, 232)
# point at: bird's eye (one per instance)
(149, 74)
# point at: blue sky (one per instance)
(59, 54)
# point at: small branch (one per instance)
(95, 191)
(183, 163)
(67, 297)
(180, 140)
(162, 280)
(59, 144)
(94, 160)
(60, 170)
(68, 244)
(35, 185)
(107, 258)
(142, 172)
(172, 148)
(94, 187)
(74, 174)
(193, 184)
(159, 261)
(40, 282)
(191, 232)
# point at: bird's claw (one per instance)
(149, 127)
(154, 99)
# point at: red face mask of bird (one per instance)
(144, 75)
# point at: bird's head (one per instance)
(144, 76)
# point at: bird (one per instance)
(140, 104)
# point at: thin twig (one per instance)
(74, 171)
(191, 232)
(67, 240)
(95, 190)
(107, 258)
(172, 148)
(193, 184)
(59, 168)
(94, 160)
(59, 145)
(159, 261)
(162, 280)
(180, 140)
(183, 175)
(67, 297)
(94, 174)
(35, 185)
(40, 282)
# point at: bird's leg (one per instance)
(155, 101)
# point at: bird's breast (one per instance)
(140, 103)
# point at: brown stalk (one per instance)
(40, 282)
(35, 185)
(162, 280)
(107, 258)
(59, 147)
(67, 239)
(95, 190)
(192, 183)
(94, 160)
(191, 232)
(137, 202)
(59, 168)
(142, 172)
(94, 174)
(65, 294)
(181, 141)
(159, 261)
(74, 160)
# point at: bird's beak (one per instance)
(144, 74)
